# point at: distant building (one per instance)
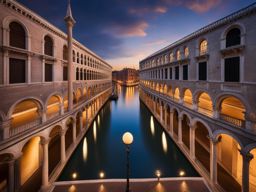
(127, 76)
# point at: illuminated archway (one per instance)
(53, 106)
(188, 98)
(177, 94)
(186, 131)
(233, 111)
(205, 104)
(229, 169)
(25, 115)
(252, 171)
(202, 145)
(54, 149)
(30, 168)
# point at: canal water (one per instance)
(102, 150)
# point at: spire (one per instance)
(69, 16)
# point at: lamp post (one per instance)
(127, 140)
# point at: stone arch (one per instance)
(187, 97)
(209, 129)
(52, 41)
(204, 103)
(53, 106)
(30, 164)
(176, 94)
(202, 143)
(6, 22)
(229, 161)
(54, 148)
(175, 122)
(232, 26)
(185, 122)
(5, 158)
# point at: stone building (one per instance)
(51, 88)
(126, 76)
(202, 89)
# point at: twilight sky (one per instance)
(123, 32)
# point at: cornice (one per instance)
(228, 19)
(35, 18)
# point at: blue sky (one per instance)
(125, 31)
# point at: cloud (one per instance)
(129, 30)
(140, 11)
(202, 6)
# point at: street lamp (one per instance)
(127, 140)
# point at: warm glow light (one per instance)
(164, 142)
(181, 173)
(127, 138)
(101, 174)
(158, 173)
(98, 120)
(24, 112)
(152, 125)
(72, 188)
(94, 131)
(85, 149)
(74, 175)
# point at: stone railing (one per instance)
(232, 120)
(16, 130)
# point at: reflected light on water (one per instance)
(85, 149)
(184, 186)
(152, 125)
(160, 187)
(102, 188)
(98, 120)
(129, 95)
(94, 131)
(164, 142)
(72, 188)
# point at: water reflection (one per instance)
(129, 95)
(85, 149)
(152, 126)
(98, 120)
(164, 142)
(94, 131)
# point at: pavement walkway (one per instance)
(136, 185)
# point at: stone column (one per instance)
(5, 127)
(154, 107)
(63, 150)
(11, 175)
(45, 174)
(29, 69)
(180, 130)
(86, 118)
(70, 22)
(74, 131)
(213, 159)
(192, 141)
(171, 122)
(161, 113)
(247, 157)
(165, 118)
(17, 172)
(62, 110)
(81, 121)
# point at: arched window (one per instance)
(85, 61)
(233, 37)
(82, 59)
(85, 74)
(171, 57)
(77, 57)
(17, 35)
(203, 47)
(74, 56)
(48, 46)
(77, 74)
(65, 52)
(186, 52)
(178, 56)
(81, 74)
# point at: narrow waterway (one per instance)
(102, 150)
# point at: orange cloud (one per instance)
(133, 30)
(202, 6)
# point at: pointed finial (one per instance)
(69, 16)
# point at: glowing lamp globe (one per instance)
(127, 138)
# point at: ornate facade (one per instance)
(51, 89)
(202, 89)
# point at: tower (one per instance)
(70, 22)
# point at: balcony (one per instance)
(25, 127)
(234, 121)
